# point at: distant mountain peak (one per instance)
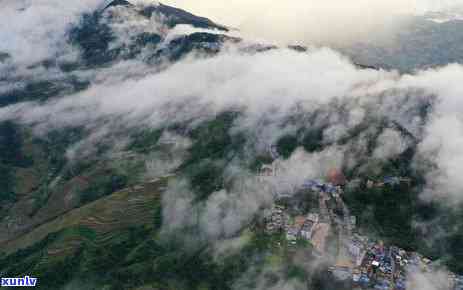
(114, 3)
(175, 15)
(443, 17)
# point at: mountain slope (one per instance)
(150, 156)
(421, 43)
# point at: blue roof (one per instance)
(391, 179)
(364, 279)
(274, 151)
(330, 189)
(311, 184)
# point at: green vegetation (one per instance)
(112, 242)
(259, 161)
(392, 211)
(93, 37)
(313, 140)
(134, 256)
(11, 146)
(213, 139)
(103, 185)
(132, 260)
(388, 211)
(206, 177)
(56, 143)
(4, 56)
(7, 192)
(143, 141)
(157, 216)
(456, 258)
(296, 272)
(11, 157)
(42, 90)
(213, 148)
(286, 145)
(303, 243)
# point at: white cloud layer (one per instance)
(273, 85)
(31, 31)
(35, 30)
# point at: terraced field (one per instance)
(115, 236)
(99, 221)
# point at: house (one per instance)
(391, 180)
(274, 152)
(299, 222)
(426, 261)
(291, 234)
(354, 249)
(342, 273)
(312, 185)
(313, 217)
(308, 226)
(275, 219)
(356, 276)
(406, 180)
(307, 230)
(364, 279)
(370, 184)
(353, 221)
(267, 170)
(336, 177)
(168, 139)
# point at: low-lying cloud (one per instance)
(31, 31)
(272, 86)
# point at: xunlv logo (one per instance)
(19, 282)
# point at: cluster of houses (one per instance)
(303, 227)
(375, 266)
(366, 263)
(276, 219)
(313, 227)
(356, 248)
(317, 186)
(268, 170)
(388, 180)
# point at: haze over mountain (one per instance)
(132, 134)
(313, 21)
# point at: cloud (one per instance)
(442, 147)
(35, 30)
(390, 144)
(270, 81)
(219, 218)
(443, 134)
(269, 87)
(321, 86)
(300, 166)
(439, 6)
(267, 277)
(433, 280)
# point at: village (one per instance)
(359, 260)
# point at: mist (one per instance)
(35, 30)
(313, 21)
(199, 88)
